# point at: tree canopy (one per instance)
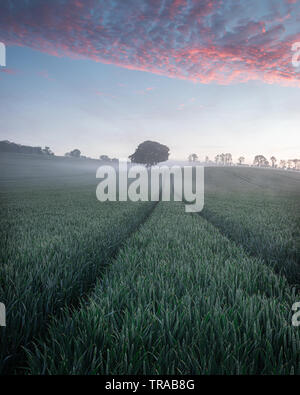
(260, 161)
(105, 158)
(150, 153)
(76, 153)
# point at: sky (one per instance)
(200, 76)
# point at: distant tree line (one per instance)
(150, 153)
(220, 159)
(106, 158)
(76, 153)
(259, 161)
(224, 159)
(8, 146)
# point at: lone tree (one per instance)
(150, 153)
(241, 160)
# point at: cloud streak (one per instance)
(200, 40)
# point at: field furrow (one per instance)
(266, 224)
(53, 249)
(179, 298)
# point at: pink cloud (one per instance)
(45, 74)
(207, 41)
(8, 70)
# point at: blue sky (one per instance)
(108, 105)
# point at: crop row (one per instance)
(180, 298)
(265, 221)
(53, 248)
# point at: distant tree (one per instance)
(260, 161)
(293, 164)
(105, 158)
(74, 154)
(115, 160)
(228, 159)
(290, 163)
(48, 151)
(273, 160)
(282, 164)
(222, 159)
(296, 163)
(193, 158)
(150, 153)
(206, 159)
(241, 160)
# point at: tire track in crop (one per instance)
(178, 292)
(246, 180)
(85, 300)
(265, 186)
(289, 269)
(17, 362)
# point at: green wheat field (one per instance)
(145, 288)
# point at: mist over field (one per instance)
(60, 245)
